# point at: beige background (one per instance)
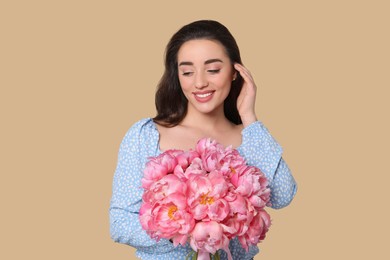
(75, 75)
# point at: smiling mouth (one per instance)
(204, 95)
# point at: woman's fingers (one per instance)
(246, 99)
(243, 70)
(247, 76)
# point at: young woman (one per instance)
(205, 92)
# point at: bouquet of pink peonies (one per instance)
(206, 196)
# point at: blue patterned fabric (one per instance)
(141, 142)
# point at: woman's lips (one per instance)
(203, 96)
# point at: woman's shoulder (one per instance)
(142, 129)
(142, 136)
(143, 124)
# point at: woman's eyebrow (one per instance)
(212, 61)
(183, 63)
(189, 63)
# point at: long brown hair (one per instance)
(171, 104)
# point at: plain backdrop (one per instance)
(75, 75)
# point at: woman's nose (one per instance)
(200, 81)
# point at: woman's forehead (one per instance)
(201, 50)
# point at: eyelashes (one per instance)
(189, 73)
(214, 71)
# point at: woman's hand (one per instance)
(246, 99)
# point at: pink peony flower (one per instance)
(206, 144)
(257, 229)
(195, 168)
(158, 167)
(241, 215)
(206, 197)
(163, 188)
(207, 237)
(184, 159)
(146, 217)
(250, 182)
(211, 154)
(168, 219)
(230, 161)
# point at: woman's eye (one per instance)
(214, 71)
(188, 73)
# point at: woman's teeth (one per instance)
(203, 95)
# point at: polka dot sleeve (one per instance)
(261, 150)
(127, 191)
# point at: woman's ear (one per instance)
(234, 75)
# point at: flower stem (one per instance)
(215, 256)
(190, 255)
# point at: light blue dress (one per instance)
(142, 141)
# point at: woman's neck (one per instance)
(211, 121)
(198, 125)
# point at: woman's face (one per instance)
(205, 75)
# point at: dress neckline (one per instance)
(157, 133)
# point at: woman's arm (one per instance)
(261, 150)
(283, 186)
(126, 199)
